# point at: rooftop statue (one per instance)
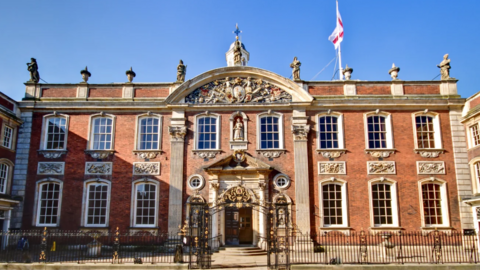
(295, 65)
(33, 68)
(445, 67)
(181, 71)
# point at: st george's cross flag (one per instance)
(337, 36)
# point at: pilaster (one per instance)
(177, 132)
(300, 131)
(462, 171)
(20, 172)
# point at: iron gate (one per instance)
(201, 244)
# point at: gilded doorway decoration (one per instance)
(235, 196)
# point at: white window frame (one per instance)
(10, 141)
(281, 138)
(138, 126)
(436, 127)
(36, 216)
(133, 215)
(198, 177)
(471, 138)
(475, 174)
(43, 145)
(343, 184)
(388, 127)
(197, 117)
(444, 201)
(8, 179)
(394, 195)
(86, 196)
(13, 138)
(340, 129)
(91, 129)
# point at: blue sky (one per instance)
(151, 36)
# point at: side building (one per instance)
(10, 197)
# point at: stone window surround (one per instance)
(85, 196)
(281, 175)
(196, 176)
(340, 129)
(470, 139)
(13, 138)
(137, 129)
(394, 195)
(218, 133)
(36, 216)
(343, 184)
(475, 177)
(436, 127)
(9, 178)
(90, 130)
(443, 193)
(45, 129)
(388, 127)
(133, 204)
(281, 137)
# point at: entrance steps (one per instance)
(239, 257)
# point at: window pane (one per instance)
(3, 178)
(332, 204)
(269, 132)
(425, 132)
(377, 133)
(207, 133)
(145, 204)
(432, 204)
(48, 203)
(56, 133)
(102, 133)
(97, 204)
(382, 204)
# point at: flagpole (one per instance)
(339, 53)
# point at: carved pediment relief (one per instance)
(234, 164)
(239, 85)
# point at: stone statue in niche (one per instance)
(181, 71)
(445, 67)
(238, 130)
(33, 69)
(295, 65)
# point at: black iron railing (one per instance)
(434, 247)
(90, 247)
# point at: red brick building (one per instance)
(9, 123)
(348, 155)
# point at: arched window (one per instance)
(55, 132)
(148, 132)
(427, 130)
(102, 132)
(434, 202)
(383, 203)
(333, 201)
(207, 135)
(145, 201)
(379, 130)
(97, 203)
(49, 199)
(270, 131)
(330, 131)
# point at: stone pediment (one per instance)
(230, 165)
(239, 85)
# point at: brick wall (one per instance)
(410, 89)
(59, 92)
(363, 89)
(333, 90)
(148, 92)
(105, 92)
(7, 104)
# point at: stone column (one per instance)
(262, 215)
(175, 205)
(215, 228)
(21, 166)
(302, 194)
(462, 170)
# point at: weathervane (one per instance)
(237, 31)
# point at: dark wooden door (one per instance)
(231, 226)
(246, 231)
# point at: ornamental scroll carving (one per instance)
(429, 153)
(238, 90)
(331, 167)
(147, 154)
(146, 168)
(98, 168)
(237, 195)
(331, 153)
(99, 154)
(206, 154)
(54, 168)
(51, 154)
(177, 133)
(271, 153)
(300, 132)
(381, 167)
(380, 153)
(430, 167)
